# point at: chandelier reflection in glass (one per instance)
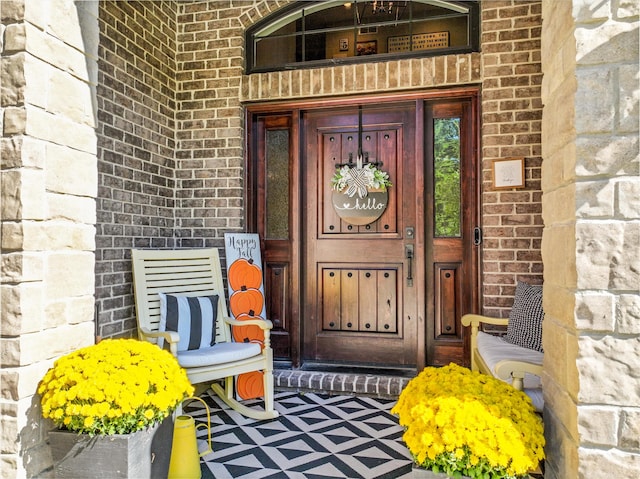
(382, 7)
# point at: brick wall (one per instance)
(136, 147)
(510, 73)
(511, 127)
(209, 153)
(210, 123)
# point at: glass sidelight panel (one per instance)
(447, 189)
(277, 184)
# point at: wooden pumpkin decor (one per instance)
(243, 272)
(245, 300)
(250, 333)
(250, 385)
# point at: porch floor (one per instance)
(315, 436)
(332, 425)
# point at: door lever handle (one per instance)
(408, 251)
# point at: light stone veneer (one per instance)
(590, 252)
(49, 184)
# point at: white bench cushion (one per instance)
(218, 354)
(494, 349)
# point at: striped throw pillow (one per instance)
(192, 317)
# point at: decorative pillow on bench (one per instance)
(192, 317)
(525, 319)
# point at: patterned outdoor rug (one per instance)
(316, 436)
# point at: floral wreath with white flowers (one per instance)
(358, 179)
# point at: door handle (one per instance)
(408, 252)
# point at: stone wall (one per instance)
(590, 246)
(48, 181)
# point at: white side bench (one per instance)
(492, 355)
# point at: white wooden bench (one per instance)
(492, 355)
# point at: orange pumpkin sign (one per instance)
(245, 300)
(243, 272)
(250, 385)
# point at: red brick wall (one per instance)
(511, 127)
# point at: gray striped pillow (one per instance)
(192, 317)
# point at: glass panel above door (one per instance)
(313, 34)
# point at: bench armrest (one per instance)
(475, 320)
(264, 324)
(509, 368)
(171, 337)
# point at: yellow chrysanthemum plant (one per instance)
(118, 386)
(465, 423)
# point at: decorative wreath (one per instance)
(358, 179)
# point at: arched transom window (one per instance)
(312, 34)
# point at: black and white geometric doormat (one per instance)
(316, 436)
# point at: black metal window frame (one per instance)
(295, 9)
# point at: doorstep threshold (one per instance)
(342, 380)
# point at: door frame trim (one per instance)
(294, 107)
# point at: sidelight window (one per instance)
(277, 183)
(447, 189)
(313, 34)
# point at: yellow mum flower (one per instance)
(462, 421)
(112, 386)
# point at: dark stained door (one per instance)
(360, 291)
(389, 293)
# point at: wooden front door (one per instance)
(360, 288)
(385, 293)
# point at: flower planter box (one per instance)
(420, 473)
(142, 454)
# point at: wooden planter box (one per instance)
(143, 454)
